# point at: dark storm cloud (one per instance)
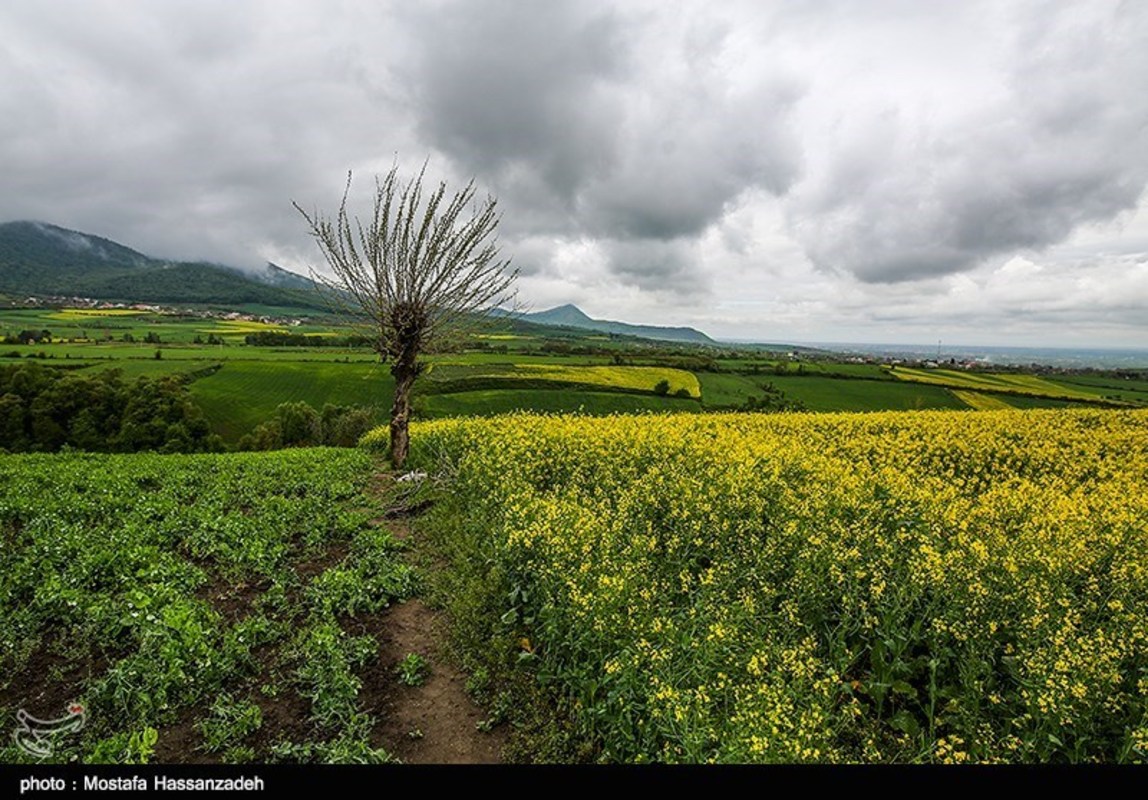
(601, 121)
(505, 87)
(659, 265)
(1062, 146)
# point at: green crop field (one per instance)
(636, 378)
(995, 402)
(114, 351)
(90, 325)
(493, 401)
(1119, 388)
(773, 366)
(829, 394)
(816, 391)
(196, 607)
(721, 389)
(1031, 401)
(150, 367)
(476, 358)
(244, 393)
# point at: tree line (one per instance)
(45, 410)
(288, 339)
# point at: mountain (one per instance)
(274, 275)
(41, 259)
(570, 316)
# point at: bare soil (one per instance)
(53, 678)
(435, 722)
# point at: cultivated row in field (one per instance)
(927, 586)
(194, 606)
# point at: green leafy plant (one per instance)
(327, 661)
(129, 747)
(230, 722)
(178, 576)
(412, 670)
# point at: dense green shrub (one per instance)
(300, 425)
(44, 410)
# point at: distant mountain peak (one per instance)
(32, 249)
(570, 316)
(275, 275)
(568, 308)
(567, 314)
(73, 240)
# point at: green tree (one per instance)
(299, 424)
(12, 434)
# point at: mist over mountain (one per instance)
(38, 258)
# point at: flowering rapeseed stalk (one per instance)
(891, 586)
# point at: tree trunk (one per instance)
(404, 375)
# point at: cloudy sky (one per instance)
(799, 171)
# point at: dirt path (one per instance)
(435, 722)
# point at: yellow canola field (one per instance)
(979, 401)
(912, 586)
(1015, 384)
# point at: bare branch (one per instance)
(421, 268)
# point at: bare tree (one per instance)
(419, 270)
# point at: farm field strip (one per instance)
(728, 389)
(831, 395)
(490, 402)
(113, 352)
(243, 394)
(985, 382)
(637, 378)
(640, 378)
(1133, 390)
(93, 326)
(93, 313)
(980, 401)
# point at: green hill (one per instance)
(41, 259)
(570, 316)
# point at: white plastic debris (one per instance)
(415, 476)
